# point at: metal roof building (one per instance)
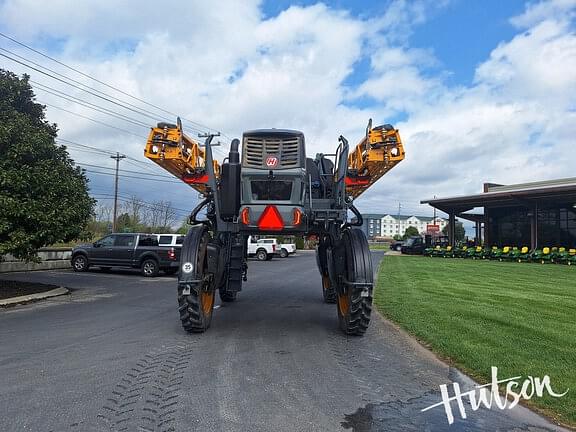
(534, 214)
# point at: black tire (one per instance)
(354, 303)
(328, 292)
(261, 255)
(196, 308)
(398, 248)
(283, 253)
(227, 297)
(149, 267)
(80, 263)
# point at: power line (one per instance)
(124, 170)
(91, 119)
(90, 105)
(106, 97)
(135, 177)
(103, 83)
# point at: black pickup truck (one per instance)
(127, 250)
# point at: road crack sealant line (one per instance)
(146, 397)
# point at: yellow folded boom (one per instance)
(179, 154)
(376, 154)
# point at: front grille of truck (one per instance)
(256, 149)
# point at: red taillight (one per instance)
(195, 179)
(358, 181)
(297, 216)
(171, 254)
(273, 248)
(245, 216)
(270, 220)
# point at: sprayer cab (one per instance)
(274, 182)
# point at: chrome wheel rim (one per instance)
(148, 268)
(79, 263)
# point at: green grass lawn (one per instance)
(477, 314)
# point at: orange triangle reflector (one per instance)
(270, 219)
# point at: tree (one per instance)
(411, 232)
(459, 231)
(43, 195)
(134, 207)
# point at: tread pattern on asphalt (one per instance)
(146, 398)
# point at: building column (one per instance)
(477, 239)
(487, 228)
(534, 227)
(451, 229)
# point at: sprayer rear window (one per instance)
(271, 190)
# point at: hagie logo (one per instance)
(486, 395)
(271, 161)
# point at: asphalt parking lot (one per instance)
(112, 357)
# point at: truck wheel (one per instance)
(80, 263)
(355, 301)
(261, 255)
(283, 253)
(149, 268)
(196, 307)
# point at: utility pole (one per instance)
(117, 158)
(434, 212)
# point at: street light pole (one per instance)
(117, 158)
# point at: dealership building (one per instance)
(537, 215)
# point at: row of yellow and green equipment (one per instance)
(558, 255)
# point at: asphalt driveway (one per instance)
(112, 357)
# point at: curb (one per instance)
(34, 297)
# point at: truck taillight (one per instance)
(172, 254)
(245, 216)
(273, 248)
(297, 216)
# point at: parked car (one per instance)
(413, 246)
(287, 249)
(263, 249)
(127, 250)
(396, 245)
(175, 240)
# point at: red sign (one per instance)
(433, 228)
(271, 161)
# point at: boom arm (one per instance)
(376, 154)
(179, 154)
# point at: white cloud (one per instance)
(232, 69)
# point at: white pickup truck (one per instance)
(287, 249)
(263, 250)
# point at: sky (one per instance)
(481, 91)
